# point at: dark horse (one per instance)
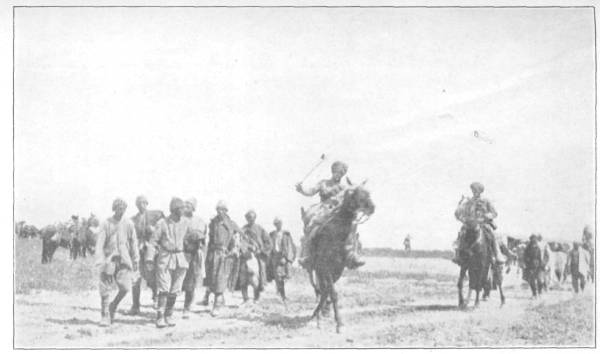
(477, 262)
(329, 242)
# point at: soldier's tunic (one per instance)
(117, 251)
(171, 262)
(578, 263)
(260, 245)
(219, 263)
(148, 243)
(283, 254)
(195, 253)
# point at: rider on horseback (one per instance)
(331, 193)
(472, 212)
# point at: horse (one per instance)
(54, 236)
(477, 264)
(328, 244)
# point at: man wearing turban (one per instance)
(145, 226)
(194, 250)
(331, 193)
(256, 243)
(171, 263)
(117, 259)
(476, 212)
(223, 234)
(282, 255)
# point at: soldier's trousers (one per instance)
(578, 281)
(170, 280)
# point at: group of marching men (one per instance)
(478, 213)
(179, 252)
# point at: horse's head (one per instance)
(357, 200)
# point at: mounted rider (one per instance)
(476, 212)
(331, 192)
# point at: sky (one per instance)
(239, 104)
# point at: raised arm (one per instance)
(309, 192)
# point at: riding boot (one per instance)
(169, 309)
(206, 299)
(154, 298)
(256, 294)
(112, 308)
(104, 304)
(135, 296)
(187, 303)
(244, 294)
(217, 305)
(160, 312)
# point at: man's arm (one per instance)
(491, 211)
(309, 192)
(100, 241)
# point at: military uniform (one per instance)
(116, 258)
(171, 263)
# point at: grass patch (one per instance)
(61, 275)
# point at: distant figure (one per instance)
(587, 240)
(407, 243)
(534, 269)
(578, 263)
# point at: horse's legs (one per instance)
(334, 299)
(311, 277)
(502, 298)
(461, 278)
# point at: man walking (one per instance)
(534, 269)
(578, 263)
(171, 264)
(194, 247)
(117, 259)
(259, 244)
(221, 246)
(282, 256)
(145, 226)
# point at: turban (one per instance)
(175, 204)
(140, 199)
(250, 212)
(119, 203)
(222, 205)
(74, 217)
(477, 187)
(339, 166)
(277, 221)
(533, 237)
(193, 202)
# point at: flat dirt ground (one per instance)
(390, 302)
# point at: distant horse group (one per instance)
(79, 240)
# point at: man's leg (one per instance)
(177, 277)
(244, 289)
(123, 279)
(459, 246)
(575, 282)
(163, 284)
(353, 260)
(256, 293)
(206, 299)
(281, 288)
(104, 289)
(135, 297)
(582, 277)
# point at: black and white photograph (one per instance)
(302, 175)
